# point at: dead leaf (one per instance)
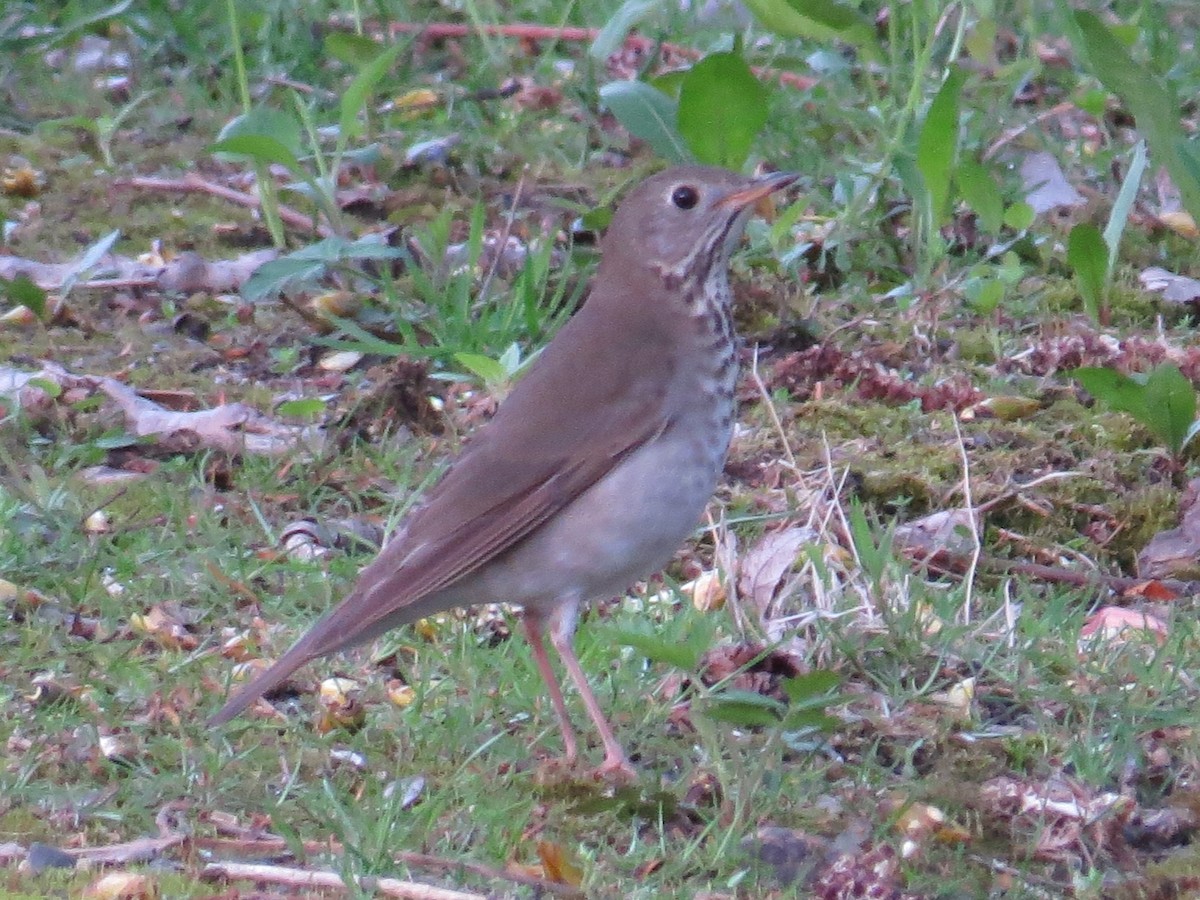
(957, 698)
(707, 591)
(1175, 552)
(1151, 590)
(231, 427)
(1046, 187)
(949, 530)
(1181, 223)
(790, 853)
(164, 628)
(1008, 409)
(920, 823)
(1174, 288)
(558, 864)
(340, 706)
(763, 568)
(1117, 625)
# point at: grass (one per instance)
(950, 690)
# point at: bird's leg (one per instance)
(562, 636)
(533, 631)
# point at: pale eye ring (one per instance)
(685, 196)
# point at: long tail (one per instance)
(342, 627)
(300, 654)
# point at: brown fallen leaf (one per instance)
(764, 567)
(1118, 625)
(1046, 187)
(1175, 552)
(558, 864)
(123, 886)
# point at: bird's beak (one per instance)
(762, 187)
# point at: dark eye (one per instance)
(685, 196)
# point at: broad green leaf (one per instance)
(1150, 100)
(982, 194)
(1110, 387)
(1087, 254)
(274, 277)
(722, 108)
(263, 121)
(24, 292)
(486, 369)
(262, 149)
(980, 42)
(50, 388)
(743, 708)
(819, 20)
(810, 719)
(355, 97)
(368, 249)
(596, 219)
(670, 83)
(937, 145)
(1019, 216)
(1170, 406)
(649, 114)
(984, 294)
(304, 408)
(351, 49)
(818, 683)
(681, 655)
(1189, 154)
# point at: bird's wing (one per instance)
(529, 462)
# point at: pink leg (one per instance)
(533, 631)
(562, 636)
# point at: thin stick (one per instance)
(976, 543)
(191, 183)
(267, 846)
(304, 878)
(949, 563)
(531, 32)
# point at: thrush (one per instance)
(598, 464)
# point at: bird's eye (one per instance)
(685, 196)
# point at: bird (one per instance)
(596, 467)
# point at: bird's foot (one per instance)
(615, 769)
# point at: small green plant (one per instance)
(1164, 401)
(1143, 92)
(497, 374)
(451, 307)
(1093, 254)
(710, 115)
(682, 646)
(267, 136)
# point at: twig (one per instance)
(191, 183)
(972, 517)
(304, 878)
(427, 861)
(140, 850)
(949, 563)
(530, 32)
(269, 846)
(1013, 133)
